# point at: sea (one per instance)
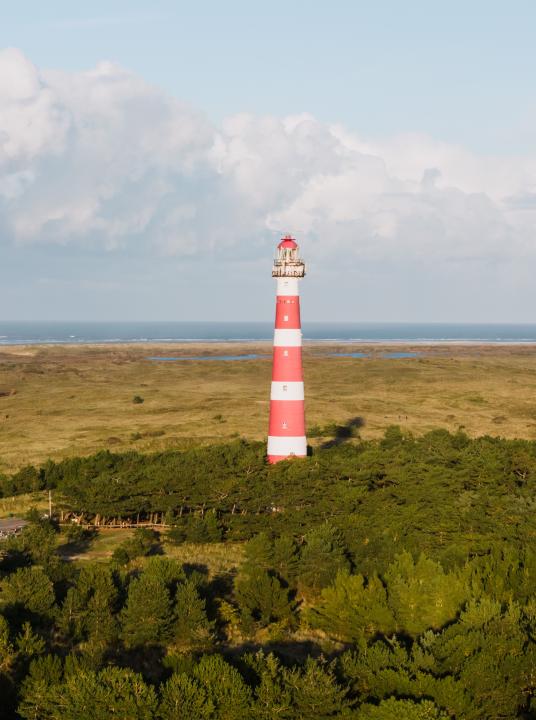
(58, 333)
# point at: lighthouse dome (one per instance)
(287, 262)
(288, 242)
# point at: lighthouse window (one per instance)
(285, 353)
(285, 318)
(285, 388)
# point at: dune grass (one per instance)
(63, 401)
(218, 558)
(215, 558)
(21, 504)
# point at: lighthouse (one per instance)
(286, 435)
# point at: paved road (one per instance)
(8, 526)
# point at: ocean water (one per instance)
(385, 355)
(31, 333)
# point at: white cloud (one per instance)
(31, 121)
(103, 158)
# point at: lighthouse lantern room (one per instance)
(286, 435)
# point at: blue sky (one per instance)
(460, 71)
(402, 134)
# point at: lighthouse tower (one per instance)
(286, 436)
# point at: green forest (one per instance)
(381, 580)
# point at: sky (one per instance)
(153, 153)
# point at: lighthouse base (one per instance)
(282, 448)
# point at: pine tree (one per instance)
(8, 658)
(225, 688)
(203, 529)
(315, 692)
(7, 651)
(147, 616)
(39, 689)
(505, 573)
(259, 552)
(488, 652)
(184, 697)
(273, 695)
(214, 531)
(37, 541)
(421, 595)
(286, 558)
(112, 692)
(352, 609)
(261, 597)
(394, 709)
(28, 590)
(323, 555)
(191, 626)
(88, 610)
(166, 569)
(377, 670)
(100, 621)
(29, 644)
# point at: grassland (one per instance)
(20, 504)
(217, 558)
(62, 401)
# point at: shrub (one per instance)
(261, 598)
(196, 530)
(144, 542)
(78, 535)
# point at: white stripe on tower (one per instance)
(287, 286)
(284, 447)
(287, 390)
(286, 436)
(287, 338)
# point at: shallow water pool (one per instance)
(385, 356)
(252, 356)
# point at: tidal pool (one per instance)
(385, 356)
(251, 356)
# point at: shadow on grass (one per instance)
(78, 545)
(290, 652)
(343, 433)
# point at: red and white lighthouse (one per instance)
(286, 436)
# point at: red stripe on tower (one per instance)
(286, 436)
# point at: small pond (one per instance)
(252, 356)
(400, 355)
(386, 356)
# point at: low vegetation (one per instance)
(389, 576)
(377, 579)
(63, 402)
